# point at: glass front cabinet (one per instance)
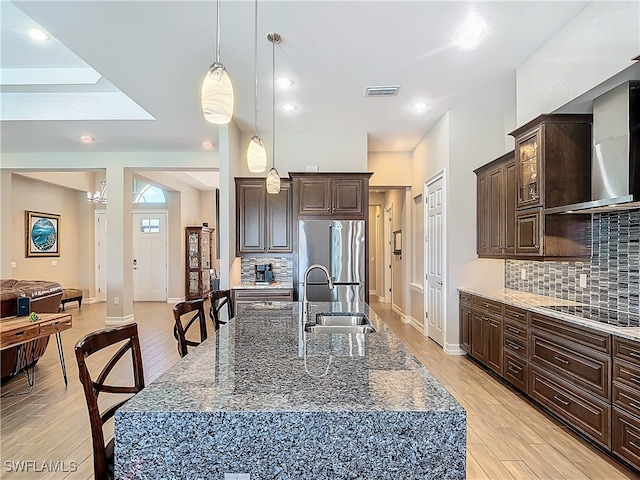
(199, 247)
(528, 161)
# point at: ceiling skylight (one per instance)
(47, 81)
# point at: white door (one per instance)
(101, 256)
(149, 257)
(435, 255)
(388, 274)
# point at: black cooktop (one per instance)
(603, 315)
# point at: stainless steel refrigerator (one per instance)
(339, 245)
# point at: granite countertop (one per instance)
(536, 303)
(260, 285)
(255, 364)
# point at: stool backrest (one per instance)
(187, 315)
(93, 386)
(220, 298)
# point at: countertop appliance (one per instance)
(339, 245)
(264, 273)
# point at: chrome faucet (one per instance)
(305, 298)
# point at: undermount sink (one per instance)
(340, 323)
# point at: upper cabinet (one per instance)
(551, 166)
(263, 221)
(331, 195)
(553, 161)
(496, 184)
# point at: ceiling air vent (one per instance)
(387, 91)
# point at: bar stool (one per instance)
(180, 329)
(127, 335)
(218, 299)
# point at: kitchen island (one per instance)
(264, 398)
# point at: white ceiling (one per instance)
(157, 52)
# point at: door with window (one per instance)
(149, 257)
(435, 287)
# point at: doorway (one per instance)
(150, 257)
(435, 255)
(388, 246)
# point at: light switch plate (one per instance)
(14, 265)
(54, 263)
(583, 280)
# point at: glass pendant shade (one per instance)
(217, 95)
(273, 181)
(256, 155)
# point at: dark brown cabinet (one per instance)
(264, 222)
(496, 207)
(587, 378)
(553, 161)
(481, 321)
(625, 430)
(551, 167)
(199, 255)
(335, 195)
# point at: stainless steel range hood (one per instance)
(615, 182)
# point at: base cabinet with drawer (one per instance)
(587, 378)
(625, 430)
(244, 297)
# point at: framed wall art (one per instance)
(42, 234)
(397, 242)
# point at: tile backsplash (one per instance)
(282, 268)
(613, 273)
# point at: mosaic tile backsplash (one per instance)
(282, 268)
(613, 274)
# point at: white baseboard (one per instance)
(398, 310)
(416, 324)
(453, 349)
(380, 299)
(90, 300)
(175, 300)
(372, 293)
(119, 320)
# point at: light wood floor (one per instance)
(507, 437)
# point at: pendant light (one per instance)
(256, 153)
(217, 91)
(273, 179)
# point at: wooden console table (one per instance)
(18, 331)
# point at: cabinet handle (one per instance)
(514, 370)
(513, 345)
(513, 330)
(563, 402)
(17, 334)
(562, 360)
(634, 379)
(634, 405)
(328, 209)
(486, 305)
(633, 444)
(634, 354)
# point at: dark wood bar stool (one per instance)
(218, 300)
(193, 312)
(103, 461)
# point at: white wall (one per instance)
(331, 152)
(391, 169)
(597, 44)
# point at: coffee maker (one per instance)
(264, 273)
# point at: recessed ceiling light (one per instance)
(420, 106)
(86, 139)
(207, 145)
(288, 107)
(39, 35)
(284, 82)
(472, 31)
